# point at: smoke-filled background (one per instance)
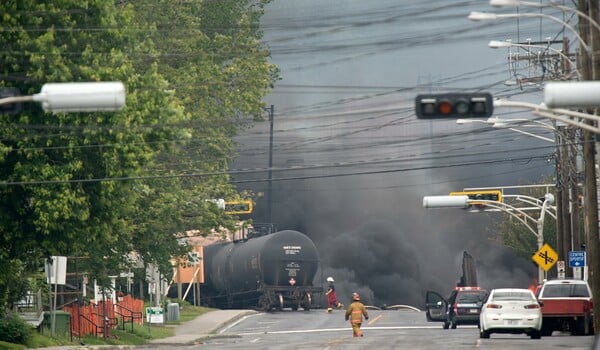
(351, 163)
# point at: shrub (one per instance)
(14, 329)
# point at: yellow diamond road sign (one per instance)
(546, 257)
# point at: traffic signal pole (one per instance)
(535, 225)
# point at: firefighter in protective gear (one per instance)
(332, 299)
(355, 313)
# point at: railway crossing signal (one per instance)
(454, 105)
(545, 257)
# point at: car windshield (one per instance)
(565, 290)
(512, 295)
(470, 297)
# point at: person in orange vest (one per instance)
(355, 314)
(332, 299)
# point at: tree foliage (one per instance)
(512, 233)
(101, 185)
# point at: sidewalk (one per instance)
(203, 326)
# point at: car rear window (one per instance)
(470, 297)
(565, 291)
(512, 295)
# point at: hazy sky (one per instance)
(351, 161)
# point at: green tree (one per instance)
(102, 185)
(512, 233)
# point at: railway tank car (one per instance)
(272, 271)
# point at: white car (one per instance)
(511, 310)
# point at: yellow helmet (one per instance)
(355, 296)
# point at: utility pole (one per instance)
(590, 71)
(271, 111)
(574, 177)
(593, 239)
(563, 236)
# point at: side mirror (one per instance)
(541, 303)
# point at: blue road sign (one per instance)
(576, 259)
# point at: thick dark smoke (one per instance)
(373, 234)
(386, 247)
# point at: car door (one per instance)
(436, 307)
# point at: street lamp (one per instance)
(562, 173)
(482, 16)
(461, 201)
(517, 3)
(495, 44)
(559, 114)
(75, 97)
(496, 122)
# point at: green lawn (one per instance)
(139, 336)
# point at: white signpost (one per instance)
(56, 273)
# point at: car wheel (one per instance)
(484, 334)
(536, 335)
(446, 325)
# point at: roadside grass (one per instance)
(139, 336)
(188, 312)
(38, 340)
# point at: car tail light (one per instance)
(532, 306)
(494, 306)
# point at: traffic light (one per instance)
(454, 105)
(487, 195)
(10, 108)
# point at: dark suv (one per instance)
(462, 306)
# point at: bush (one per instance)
(14, 329)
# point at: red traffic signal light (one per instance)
(454, 105)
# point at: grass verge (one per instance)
(139, 335)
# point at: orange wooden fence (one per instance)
(130, 309)
(88, 319)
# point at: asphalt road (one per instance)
(316, 329)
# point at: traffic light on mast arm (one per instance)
(454, 105)
(487, 195)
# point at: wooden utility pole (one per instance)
(563, 239)
(590, 71)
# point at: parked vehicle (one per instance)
(511, 310)
(461, 308)
(567, 307)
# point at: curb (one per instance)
(211, 333)
(232, 320)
